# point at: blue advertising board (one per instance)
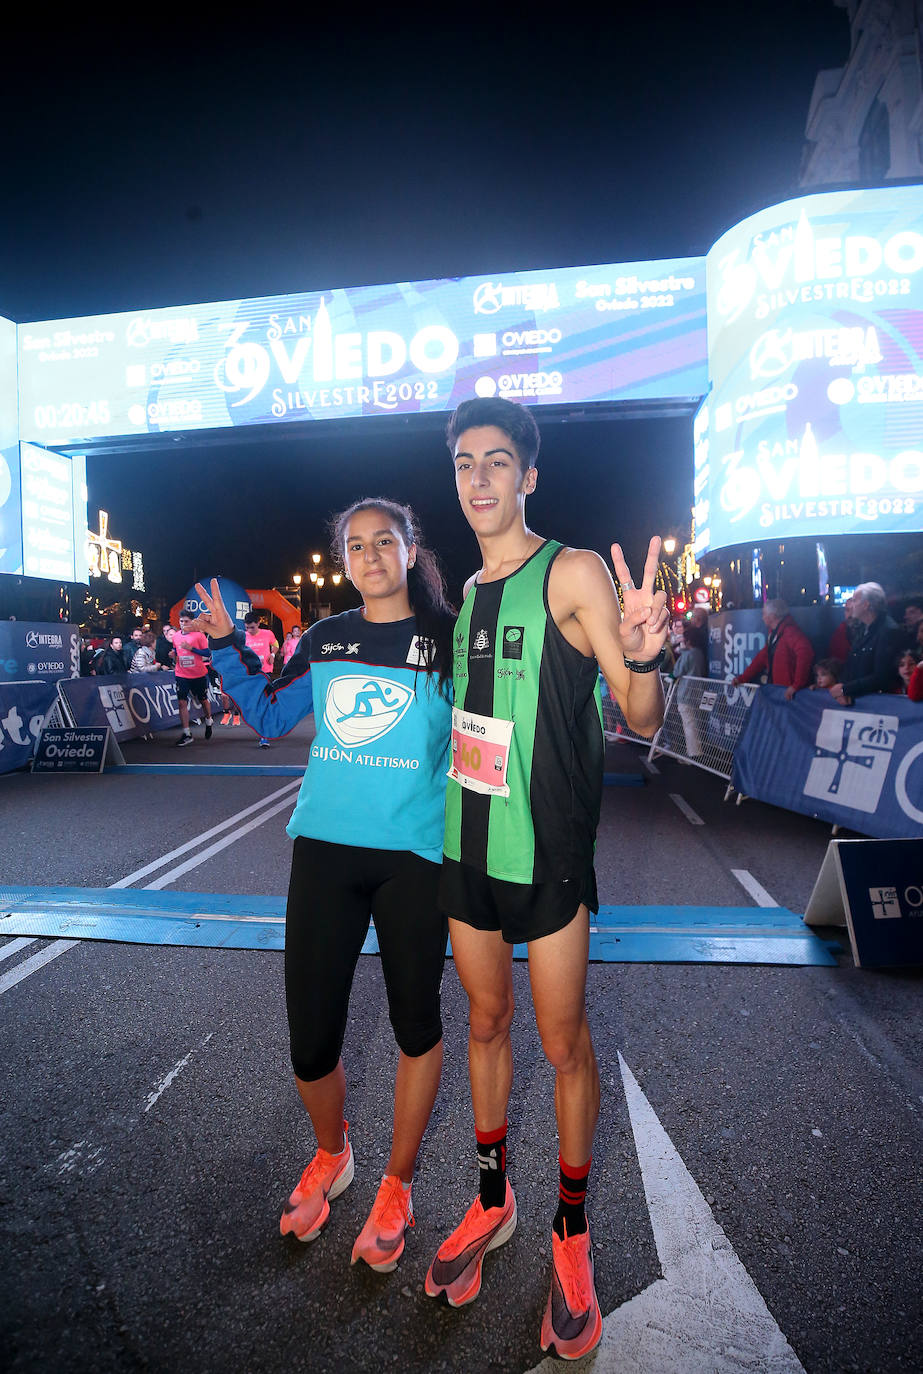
(815, 346)
(629, 331)
(859, 766)
(23, 707)
(36, 651)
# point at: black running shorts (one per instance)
(192, 686)
(520, 911)
(333, 890)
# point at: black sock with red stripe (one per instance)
(492, 1166)
(571, 1213)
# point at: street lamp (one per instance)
(296, 579)
(669, 546)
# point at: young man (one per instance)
(263, 643)
(522, 808)
(191, 656)
(132, 645)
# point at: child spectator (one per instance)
(910, 672)
(826, 673)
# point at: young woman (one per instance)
(368, 830)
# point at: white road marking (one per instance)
(206, 835)
(705, 1315)
(16, 945)
(215, 848)
(44, 956)
(755, 889)
(34, 963)
(691, 816)
(85, 1158)
(177, 1069)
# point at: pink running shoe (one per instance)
(327, 1176)
(456, 1270)
(572, 1323)
(381, 1241)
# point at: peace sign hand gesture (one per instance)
(645, 616)
(214, 620)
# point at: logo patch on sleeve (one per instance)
(513, 638)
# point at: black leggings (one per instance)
(333, 890)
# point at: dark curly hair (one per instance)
(515, 421)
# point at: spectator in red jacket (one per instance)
(841, 638)
(787, 655)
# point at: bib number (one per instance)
(480, 752)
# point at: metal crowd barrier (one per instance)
(702, 723)
(615, 726)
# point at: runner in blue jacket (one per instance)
(368, 831)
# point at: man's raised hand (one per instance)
(645, 615)
(214, 621)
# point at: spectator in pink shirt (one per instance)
(290, 643)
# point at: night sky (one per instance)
(179, 163)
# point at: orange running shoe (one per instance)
(381, 1241)
(456, 1270)
(572, 1323)
(305, 1214)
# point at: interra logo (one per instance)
(360, 709)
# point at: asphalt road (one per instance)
(151, 1130)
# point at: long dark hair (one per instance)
(426, 591)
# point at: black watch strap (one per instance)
(634, 666)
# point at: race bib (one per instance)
(187, 660)
(480, 752)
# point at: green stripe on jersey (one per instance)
(499, 645)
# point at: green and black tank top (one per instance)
(512, 663)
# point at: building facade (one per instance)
(865, 123)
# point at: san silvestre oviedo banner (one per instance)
(568, 335)
(802, 329)
(814, 424)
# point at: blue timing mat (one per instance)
(619, 935)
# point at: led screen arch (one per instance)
(814, 421)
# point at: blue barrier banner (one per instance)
(23, 707)
(131, 704)
(859, 766)
(33, 651)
